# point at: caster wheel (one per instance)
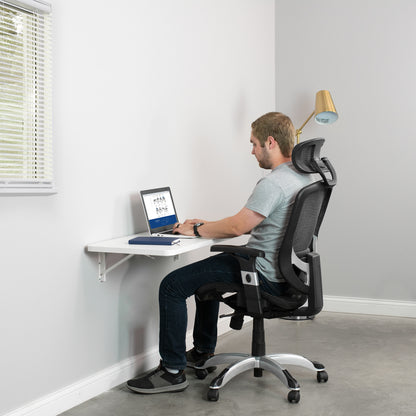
(293, 396)
(213, 395)
(322, 376)
(201, 374)
(211, 369)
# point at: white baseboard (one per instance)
(55, 403)
(83, 390)
(365, 306)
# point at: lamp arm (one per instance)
(304, 124)
(299, 131)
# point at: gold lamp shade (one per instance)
(325, 112)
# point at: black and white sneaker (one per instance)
(159, 381)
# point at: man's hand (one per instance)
(187, 228)
(194, 221)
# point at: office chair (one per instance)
(299, 264)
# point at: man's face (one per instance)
(261, 153)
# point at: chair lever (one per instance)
(236, 321)
(227, 315)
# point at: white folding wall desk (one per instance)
(121, 246)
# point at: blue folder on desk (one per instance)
(153, 240)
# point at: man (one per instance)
(265, 217)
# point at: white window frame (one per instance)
(26, 153)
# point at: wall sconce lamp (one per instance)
(325, 112)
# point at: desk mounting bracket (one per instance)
(102, 265)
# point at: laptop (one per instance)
(160, 212)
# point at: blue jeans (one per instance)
(182, 283)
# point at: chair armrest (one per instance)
(246, 256)
(243, 250)
(247, 259)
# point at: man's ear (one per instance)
(272, 143)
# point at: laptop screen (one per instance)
(159, 208)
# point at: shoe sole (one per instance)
(166, 389)
(195, 367)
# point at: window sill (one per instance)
(29, 191)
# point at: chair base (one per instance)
(298, 318)
(274, 363)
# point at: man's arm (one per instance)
(238, 224)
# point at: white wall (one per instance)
(146, 93)
(362, 51)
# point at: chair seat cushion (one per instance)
(273, 306)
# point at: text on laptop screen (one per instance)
(159, 208)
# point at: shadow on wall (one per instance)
(138, 306)
(137, 212)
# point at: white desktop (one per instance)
(121, 246)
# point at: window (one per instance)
(26, 156)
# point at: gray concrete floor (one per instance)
(371, 362)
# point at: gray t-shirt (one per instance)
(273, 197)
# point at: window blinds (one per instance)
(26, 156)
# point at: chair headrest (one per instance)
(306, 158)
